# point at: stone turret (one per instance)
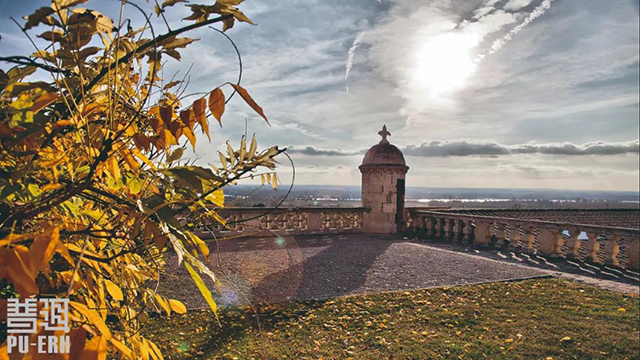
(383, 174)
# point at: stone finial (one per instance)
(384, 133)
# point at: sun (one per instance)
(444, 62)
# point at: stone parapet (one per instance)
(582, 235)
(263, 221)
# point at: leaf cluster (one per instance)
(94, 189)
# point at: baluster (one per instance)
(413, 221)
(515, 238)
(439, 228)
(448, 229)
(529, 238)
(592, 248)
(558, 241)
(500, 235)
(546, 241)
(573, 244)
(611, 250)
(467, 231)
(457, 230)
(482, 234)
(431, 226)
(633, 252)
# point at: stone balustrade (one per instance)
(262, 221)
(597, 244)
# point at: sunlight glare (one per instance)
(445, 62)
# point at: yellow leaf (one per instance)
(114, 290)
(163, 304)
(249, 100)
(202, 246)
(114, 167)
(564, 339)
(217, 198)
(155, 352)
(622, 309)
(216, 104)
(199, 112)
(203, 288)
(177, 306)
(124, 350)
(93, 317)
(144, 159)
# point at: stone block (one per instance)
(389, 208)
(379, 218)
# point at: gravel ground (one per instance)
(270, 270)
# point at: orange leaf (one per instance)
(42, 101)
(187, 118)
(78, 339)
(201, 117)
(216, 104)
(19, 271)
(141, 142)
(42, 249)
(64, 252)
(176, 128)
(249, 100)
(96, 349)
(166, 114)
(191, 136)
(128, 158)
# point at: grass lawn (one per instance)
(533, 319)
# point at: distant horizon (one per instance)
(286, 185)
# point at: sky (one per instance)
(485, 93)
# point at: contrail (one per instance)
(484, 9)
(351, 53)
(537, 12)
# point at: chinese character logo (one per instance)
(24, 320)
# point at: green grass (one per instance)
(533, 319)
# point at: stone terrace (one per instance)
(275, 269)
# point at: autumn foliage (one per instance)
(94, 189)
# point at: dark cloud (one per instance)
(312, 151)
(464, 148)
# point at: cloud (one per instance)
(515, 5)
(313, 151)
(351, 53)
(537, 12)
(487, 7)
(464, 148)
(296, 127)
